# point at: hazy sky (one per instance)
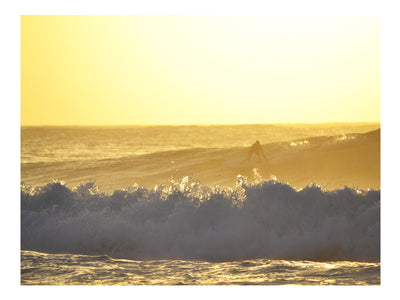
(100, 70)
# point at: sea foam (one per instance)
(188, 220)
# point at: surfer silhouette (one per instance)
(257, 150)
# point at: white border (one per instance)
(10, 120)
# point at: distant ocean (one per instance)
(124, 205)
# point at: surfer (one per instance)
(255, 149)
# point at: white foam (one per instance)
(188, 220)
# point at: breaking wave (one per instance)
(188, 220)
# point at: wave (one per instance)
(330, 161)
(333, 162)
(188, 220)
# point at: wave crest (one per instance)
(188, 220)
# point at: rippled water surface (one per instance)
(66, 269)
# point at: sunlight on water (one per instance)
(121, 156)
(65, 269)
(299, 143)
(344, 137)
(50, 144)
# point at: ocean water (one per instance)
(68, 269)
(172, 205)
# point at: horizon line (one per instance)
(211, 124)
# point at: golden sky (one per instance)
(110, 70)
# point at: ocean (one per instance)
(176, 205)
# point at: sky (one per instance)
(119, 70)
